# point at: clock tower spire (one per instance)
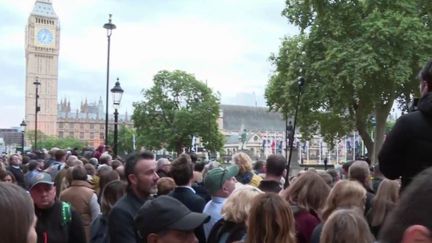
(42, 45)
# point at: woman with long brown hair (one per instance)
(345, 194)
(382, 204)
(18, 220)
(306, 195)
(346, 226)
(270, 220)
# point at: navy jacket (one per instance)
(192, 201)
(121, 225)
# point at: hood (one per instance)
(425, 104)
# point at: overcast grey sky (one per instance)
(226, 42)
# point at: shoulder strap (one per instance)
(66, 213)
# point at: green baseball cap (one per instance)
(216, 177)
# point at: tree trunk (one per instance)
(381, 113)
(361, 120)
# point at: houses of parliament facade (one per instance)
(60, 119)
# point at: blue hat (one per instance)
(40, 178)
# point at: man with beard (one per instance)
(140, 172)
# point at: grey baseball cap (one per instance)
(40, 178)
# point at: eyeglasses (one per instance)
(222, 178)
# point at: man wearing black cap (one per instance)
(167, 220)
(57, 221)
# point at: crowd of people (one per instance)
(68, 197)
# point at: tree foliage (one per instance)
(357, 57)
(125, 140)
(175, 109)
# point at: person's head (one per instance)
(384, 200)
(102, 169)
(167, 220)
(42, 190)
(344, 194)
(243, 161)
(237, 206)
(33, 165)
(105, 159)
(18, 220)
(411, 220)
(14, 159)
(326, 177)
(164, 164)
(79, 173)
(221, 181)
(194, 158)
(359, 171)
(270, 220)
(108, 176)
(258, 167)
(91, 170)
(7, 176)
(116, 163)
(334, 174)
(199, 167)
(182, 170)
(94, 162)
(140, 172)
(60, 155)
(111, 193)
(309, 191)
(425, 77)
(165, 185)
(275, 165)
(346, 226)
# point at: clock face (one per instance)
(44, 36)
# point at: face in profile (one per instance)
(145, 177)
(43, 195)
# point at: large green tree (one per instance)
(125, 140)
(357, 57)
(176, 108)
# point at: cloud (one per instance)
(226, 43)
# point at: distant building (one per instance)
(86, 123)
(254, 130)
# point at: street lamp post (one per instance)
(209, 132)
(300, 83)
(117, 93)
(288, 132)
(22, 125)
(37, 109)
(109, 27)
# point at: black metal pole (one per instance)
(286, 136)
(291, 141)
(115, 132)
(22, 142)
(36, 83)
(107, 88)
(109, 27)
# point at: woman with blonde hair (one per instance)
(345, 194)
(382, 204)
(232, 226)
(246, 174)
(306, 195)
(270, 220)
(346, 226)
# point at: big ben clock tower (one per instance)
(42, 51)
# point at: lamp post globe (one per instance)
(117, 94)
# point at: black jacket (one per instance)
(192, 201)
(52, 228)
(121, 225)
(407, 148)
(18, 174)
